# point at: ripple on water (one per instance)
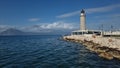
(48, 52)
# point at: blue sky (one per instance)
(56, 14)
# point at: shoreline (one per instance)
(105, 47)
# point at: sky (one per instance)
(33, 15)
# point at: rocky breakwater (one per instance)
(105, 47)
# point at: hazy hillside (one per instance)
(13, 31)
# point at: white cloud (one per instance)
(33, 19)
(92, 10)
(50, 26)
(69, 14)
(103, 9)
(58, 25)
(110, 16)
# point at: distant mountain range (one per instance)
(13, 31)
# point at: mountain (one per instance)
(12, 31)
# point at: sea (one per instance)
(48, 51)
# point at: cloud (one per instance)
(43, 27)
(107, 20)
(5, 27)
(50, 26)
(91, 10)
(69, 14)
(103, 9)
(109, 16)
(57, 25)
(33, 19)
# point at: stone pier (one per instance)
(106, 47)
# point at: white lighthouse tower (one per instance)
(82, 20)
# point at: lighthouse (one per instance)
(83, 30)
(82, 20)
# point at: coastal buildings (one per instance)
(86, 32)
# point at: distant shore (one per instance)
(106, 47)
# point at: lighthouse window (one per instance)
(84, 32)
(97, 33)
(74, 33)
(90, 32)
(79, 33)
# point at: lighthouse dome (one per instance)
(82, 11)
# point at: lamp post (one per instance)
(111, 29)
(102, 29)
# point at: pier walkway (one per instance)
(103, 41)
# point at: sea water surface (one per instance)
(48, 51)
